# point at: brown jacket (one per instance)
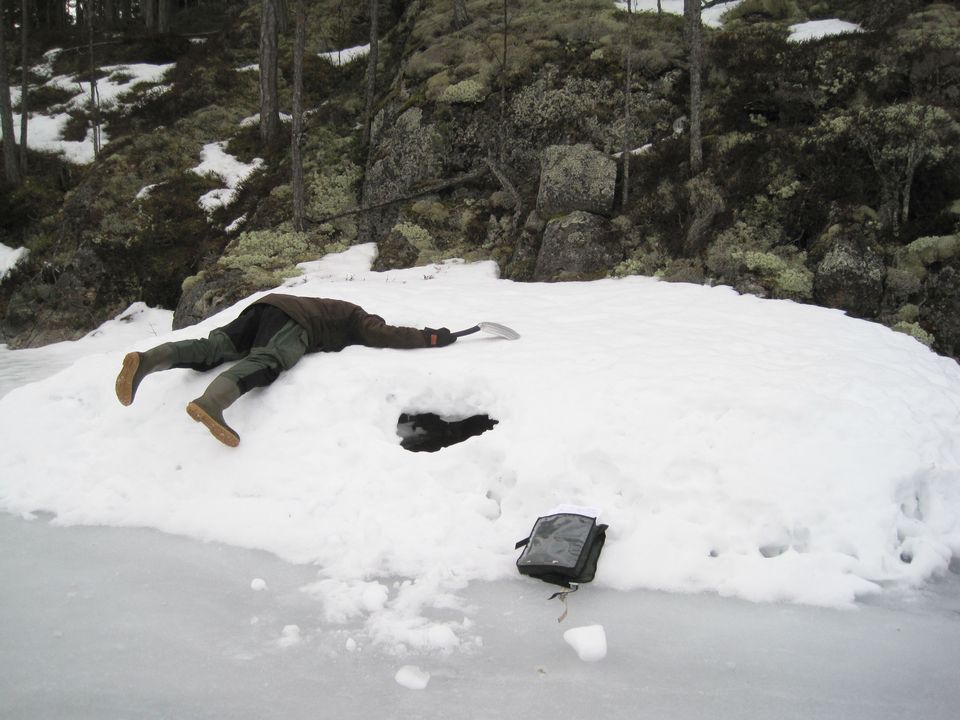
(333, 324)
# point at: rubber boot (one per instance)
(208, 409)
(136, 366)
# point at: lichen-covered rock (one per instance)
(940, 312)
(576, 177)
(409, 151)
(207, 293)
(851, 275)
(577, 246)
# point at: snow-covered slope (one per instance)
(755, 448)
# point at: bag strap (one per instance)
(562, 594)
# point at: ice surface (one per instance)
(102, 623)
(590, 642)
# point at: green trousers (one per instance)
(263, 339)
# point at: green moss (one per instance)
(416, 236)
(465, 92)
(795, 283)
(267, 257)
(928, 250)
(914, 330)
(430, 210)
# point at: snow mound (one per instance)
(753, 448)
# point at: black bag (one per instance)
(562, 549)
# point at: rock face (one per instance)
(577, 246)
(576, 177)
(408, 152)
(940, 313)
(850, 276)
(208, 295)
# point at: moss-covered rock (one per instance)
(576, 177)
(578, 246)
(851, 275)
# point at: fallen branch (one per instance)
(428, 190)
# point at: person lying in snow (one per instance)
(269, 336)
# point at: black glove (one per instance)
(439, 337)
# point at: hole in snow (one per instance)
(428, 432)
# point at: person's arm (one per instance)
(373, 331)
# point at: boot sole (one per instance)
(131, 363)
(220, 432)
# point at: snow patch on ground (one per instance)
(342, 57)
(711, 17)
(45, 131)
(216, 161)
(9, 257)
(816, 29)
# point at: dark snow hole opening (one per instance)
(428, 432)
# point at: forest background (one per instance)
(564, 139)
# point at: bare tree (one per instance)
(11, 166)
(24, 120)
(296, 155)
(627, 95)
(460, 16)
(372, 60)
(148, 11)
(269, 93)
(694, 32)
(94, 91)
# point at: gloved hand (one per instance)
(438, 337)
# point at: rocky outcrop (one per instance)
(940, 313)
(577, 246)
(206, 294)
(408, 152)
(851, 275)
(576, 177)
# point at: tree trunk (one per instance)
(502, 129)
(94, 92)
(691, 11)
(372, 60)
(11, 167)
(24, 120)
(296, 156)
(269, 94)
(460, 16)
(149, 10)
(627, 94)
(165, 10)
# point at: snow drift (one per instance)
(754, 448)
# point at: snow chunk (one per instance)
(412, 677)
(816, 29)
(590, 642)
(289, 636)
(258, 584)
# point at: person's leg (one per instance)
(230, 342)
(278, 345)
